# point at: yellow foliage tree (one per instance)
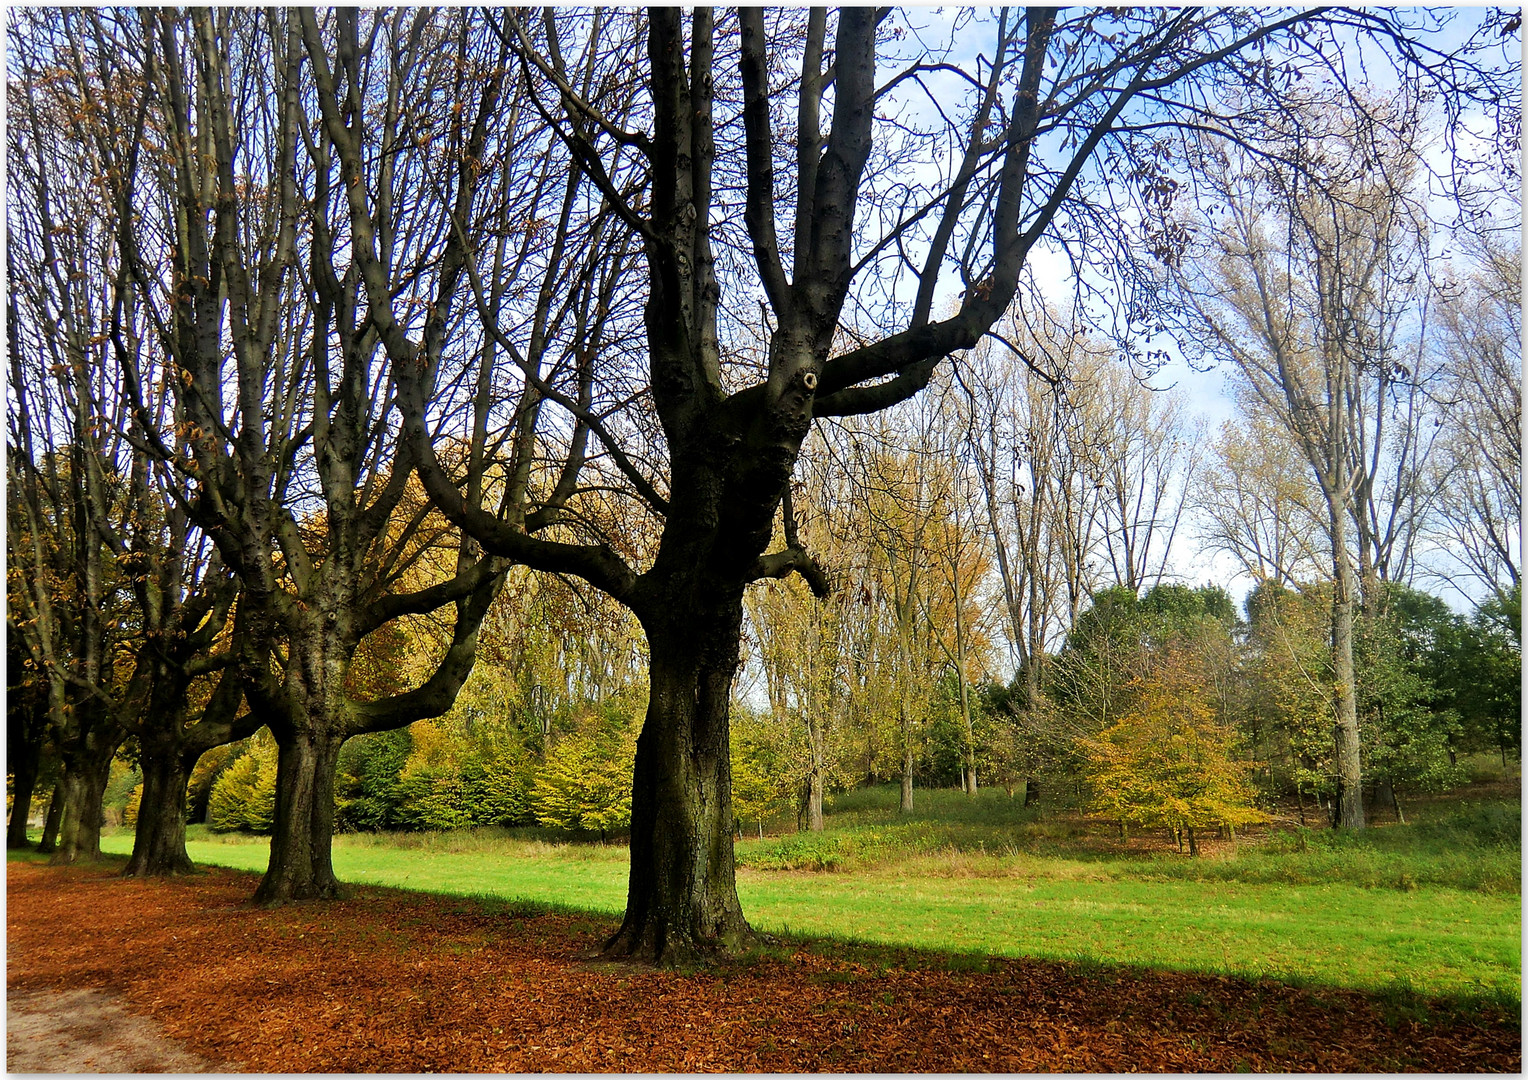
(1167, 763)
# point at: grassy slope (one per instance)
(1380, 911)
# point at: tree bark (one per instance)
(159, 840)
(905, 804)
(26, 762)
(682, 904)
(1345, 705)
(68, 797)
(301, 867)
(815, 776)
(48, 843)
(814, 799)
(84, 780)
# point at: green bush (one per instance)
(367, 797)
(205, 774)
(122, 780)
(244, 797)
(434, 801)
(498, 789)
(585, 783)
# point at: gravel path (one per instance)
(87, 1031)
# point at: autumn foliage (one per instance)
(1167, 763)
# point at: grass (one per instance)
(1428, 909)
(1472, 846)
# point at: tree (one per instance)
(1481, 464)
(537, 227)
(249, 375)
(900, 513)
(1481, 674)
(26, 732)
(1148, 456)
(1288, 671)
(731, 433)
(583, 786)
(1167, 762)
(1310, 286)
(1258, 500)
(244, 797)
(1409, 728)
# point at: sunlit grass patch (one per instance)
(1240, 916)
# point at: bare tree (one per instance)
(1259, 502)
(1481, 465)
(1052, 107)
(1149, 454)
(1309, 292)
(248, 367)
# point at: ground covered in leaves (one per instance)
(400, 982)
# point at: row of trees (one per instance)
(322, 324)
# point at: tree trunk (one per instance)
(1349, 766)
(49, 841)
(84, 784)
(27, 761)
(301, 867)
(905, 803)
(968, 764)
(1193, 843)
(816, 775)
(159, 842)
(69, 796)
(681, 904)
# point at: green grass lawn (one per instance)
(1379, 912)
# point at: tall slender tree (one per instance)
(1309, 293)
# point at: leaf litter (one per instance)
(393, 981)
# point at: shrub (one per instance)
(122, 780)
(244, 796)
(1167, 763)
(130, 809)
(205, 774)
(367, 796)
(585, 783)
(434, 799)
(498, 789)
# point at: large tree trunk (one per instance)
(68, 797)
(26, 762)
(301, 867)
(681, 904)
(159, 842)
(84, 787)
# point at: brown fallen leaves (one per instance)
(395, 982)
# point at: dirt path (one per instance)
(88, 1031)
(396, 982)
